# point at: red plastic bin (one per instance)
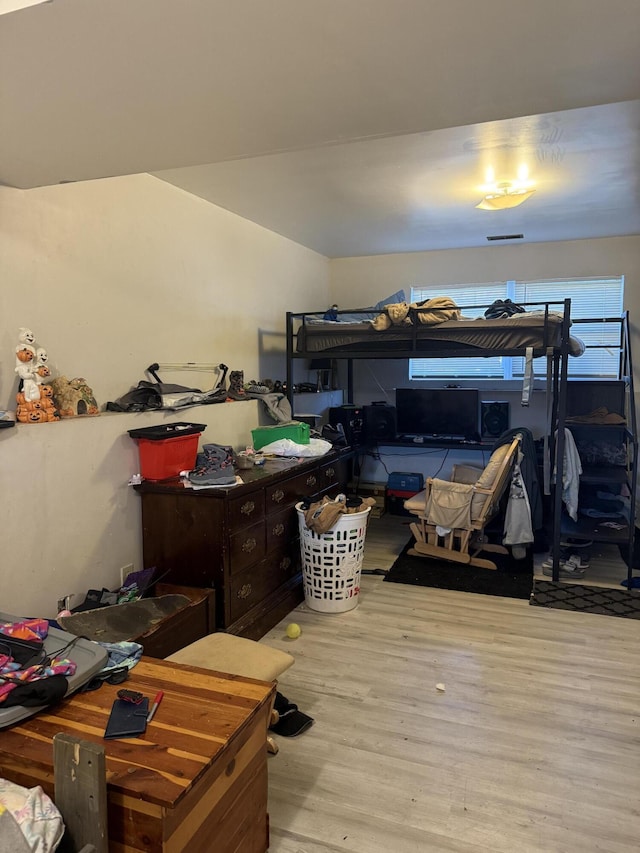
(167, 449)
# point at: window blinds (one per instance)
(591, 299)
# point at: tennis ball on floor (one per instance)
(293, 631)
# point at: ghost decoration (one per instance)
(42, 371)
(26, 370)
(34, 397)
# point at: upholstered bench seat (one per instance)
(236, 655)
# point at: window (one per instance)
(591, 299)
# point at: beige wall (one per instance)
(367, 279)
(112, 276)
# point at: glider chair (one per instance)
(452, 514)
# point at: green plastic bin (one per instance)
(295, 430)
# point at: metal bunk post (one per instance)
(627, 373)
(289, 368)
(350, 381)
(557, 461)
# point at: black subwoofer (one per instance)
(379, 423)
(350, 418)
(494, 418)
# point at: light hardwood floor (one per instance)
(533, 746)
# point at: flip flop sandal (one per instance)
(292, 724)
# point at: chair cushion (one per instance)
(487, 479)
(469, 474)
(417, 503)
(236, 655)
(488, 476)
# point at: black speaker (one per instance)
(350, 417)
(379, 423)
(494, 418)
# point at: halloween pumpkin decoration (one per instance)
(35, 404)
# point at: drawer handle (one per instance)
(278, 530)
(244, 591)
(312, 480)
(285, 563)
(277, 496)
(330, 473)
(247, 508)
(249, 545)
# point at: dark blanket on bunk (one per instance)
(512, 579)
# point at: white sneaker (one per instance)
(578, 561)
(567, 569)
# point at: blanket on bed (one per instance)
(430, 313)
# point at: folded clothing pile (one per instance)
(322, 515)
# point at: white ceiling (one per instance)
(351, 126)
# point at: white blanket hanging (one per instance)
(571, 471)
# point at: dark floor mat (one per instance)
(588, 599)
(512, 579)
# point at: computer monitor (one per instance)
(438, 412)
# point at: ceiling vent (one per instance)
(506, 237)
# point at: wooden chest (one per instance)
(196, 780)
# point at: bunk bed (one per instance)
(538, 329)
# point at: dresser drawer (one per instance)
(254, 584)
(246, 547)
(281, 528)
(246, 510)
(284, 561)
(288, 492)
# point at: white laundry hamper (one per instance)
(332, 562)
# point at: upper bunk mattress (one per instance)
(483, 336)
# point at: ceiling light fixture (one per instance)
(506, 195)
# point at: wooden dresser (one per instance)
(242, 540)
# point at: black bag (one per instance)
(25, 652)
(335, 435)
(153, 395)
(503, 308)
(35, 694)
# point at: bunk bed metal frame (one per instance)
(555, 348)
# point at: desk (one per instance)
(432, 444)
(197, 779)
